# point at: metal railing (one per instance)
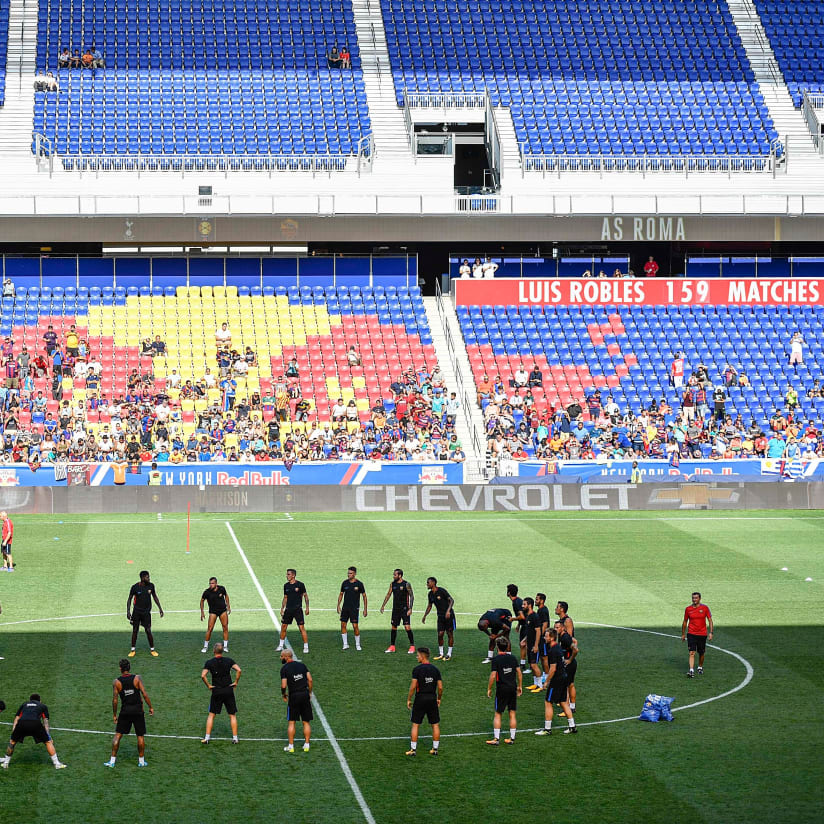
(445, 100)
(360, 161)
(809, 103)
(678, 164)
(467, 403)
(492, 139)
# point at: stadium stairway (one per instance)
(16, 113)
(388, 127)
(788, 120)
(469, 425)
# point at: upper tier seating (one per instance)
(238, 77)
(4, 43)
(660, 77)
(796, 31)
(627, 352)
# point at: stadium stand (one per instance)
(573, 85)
(795, 31)
(593, 358)
(293, 355)
(4, 44)
(241, 78)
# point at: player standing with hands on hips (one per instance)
(351, 591)
(403, 598)
(424, 700)
(696, 618)
(139, 610)
(219, 607)
(296, 689)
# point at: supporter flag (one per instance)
(782, 468)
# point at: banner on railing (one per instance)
(340, 473)
(633, 292)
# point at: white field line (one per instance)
(344, 764)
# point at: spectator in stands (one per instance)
(41, 84)
(345, 58)
(72, 341)
(223, 337)
(158, 346)
(64, 59)
(353, 358)
(477, 269)
(99, 62)
(146, 350)
(51, 82)
(651, 267)
(75, 59)
(489, 268)
(535, 377)
(466, 270)
(520, 377)
(586, 274)
(8, 288)
(292, 370)
(250, 357)
(602, 274)
(333, 59)
(796, 349)
(87, 60)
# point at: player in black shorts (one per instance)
(131, 692)
(291, 610)
(506, 675)
(424, 700)
(445, 609)
(518, 615)
(351, 591)
(570, 647)
(32, 719)
(556, 691)
(222, 690)
(543, 618)
(296, 689)
(533, 643)
(403, 598)
(219, 607)
(495, 623)
(139, 610)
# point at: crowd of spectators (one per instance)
(208, 418)
(91, 58)
(596, 428)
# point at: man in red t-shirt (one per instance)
(5, 541)
(651, 267)
(697, 618)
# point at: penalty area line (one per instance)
(344, 764)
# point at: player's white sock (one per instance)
(512, 731)
(523, 661)
(132, 649)
(234, 738)
(5, 759)
(571, 723)
(306, 647)
(280, 645)
(141, 761)
(207, 737)
(449, 651)
(357, 642)
(414, 746)
(536, 681)
(496, 734)
(440, 651)
(547, 725)
(345, 638)
(55, 759)
(226, 645)
(691, 669)
(112, 760)
(435, 745)
(572, 705)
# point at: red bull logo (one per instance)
(247, 478)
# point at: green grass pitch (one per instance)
(755, 749)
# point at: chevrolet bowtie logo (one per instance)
(694, 496)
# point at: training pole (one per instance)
(188, 523)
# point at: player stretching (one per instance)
(131, 692)
(222, 690)
(291, 610)
(139, 610)
(426, 690)
(32, 719)
(402, 600)
(506, 674)
(697, 616)
(495, 623)
(350, 593)
(556, 691)
(219, 607)
(444, 607)
(5, 541)
(296, 689)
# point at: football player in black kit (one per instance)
(556, 691)
(424, 700)
(495, 623)
(402, 600)
(222, 690)
(296, 689)
(351, 591)
(520, 617)
(570, 647)
(506, 674)
(291, 609)
(445, 608)
(533, 642)
(32, 720)
(131, 692)
(219, 607)
(139, 610)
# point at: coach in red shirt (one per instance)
(651, 268)
(697, 618)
